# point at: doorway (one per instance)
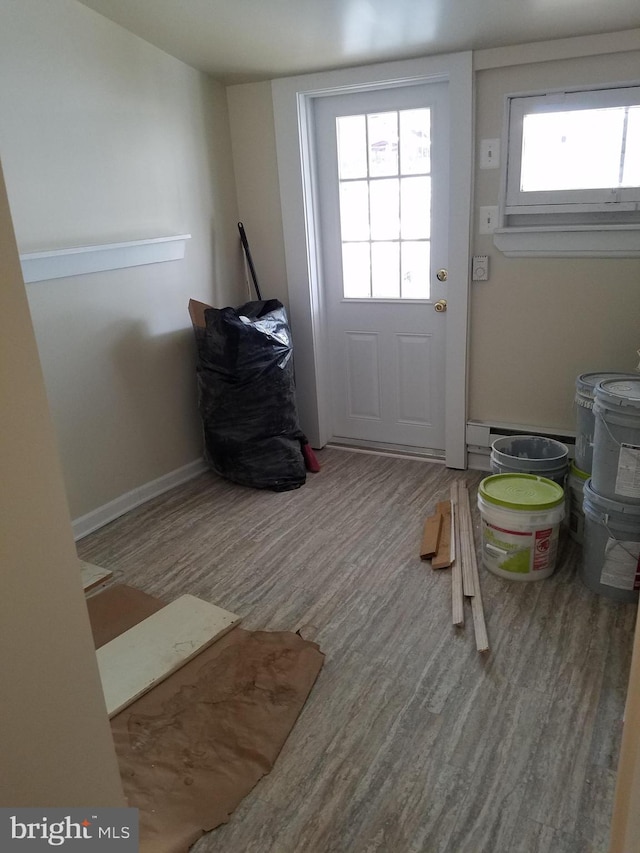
(382, 174)
(296, 104)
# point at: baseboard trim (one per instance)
(97, 518)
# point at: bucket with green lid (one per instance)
(521, 516)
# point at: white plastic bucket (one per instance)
(574, 495)
(611, 552)
(616, 440)
(521, 516)
(530, 454)
(585, 395)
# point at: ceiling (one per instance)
(248, 40)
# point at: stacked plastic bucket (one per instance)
(611, 497)
(523, 503)
(522, 506)
(581, 467)
(530, 454)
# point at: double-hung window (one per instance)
(572, 173)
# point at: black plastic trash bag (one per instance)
(246, 395)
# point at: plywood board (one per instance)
(93, 576)
(151, 651)
(431, 537)
(442, 560)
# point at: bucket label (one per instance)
(628, 477)
(542, 546)
(576, 523)
(519, 552)
(621, 567)
(583, 443)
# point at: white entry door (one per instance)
(382, 171)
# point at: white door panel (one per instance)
(413, 383)
(362, 376)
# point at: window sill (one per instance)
(576, 241)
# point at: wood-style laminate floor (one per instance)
(410, 741)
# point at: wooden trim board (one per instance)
(457, 597)
(466, 539)
(479, 624)
(93, 576)
(131, 664)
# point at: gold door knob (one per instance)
(440, 305)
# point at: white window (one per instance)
(572, 173)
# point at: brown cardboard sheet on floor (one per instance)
(117, 609)
(195, 745)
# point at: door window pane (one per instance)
(354, 210)
(352, 146)
(356, 270)
(416, 262)
(385, 209)
(415, 208)
(385, 270)
(383, 144)
(415, 141)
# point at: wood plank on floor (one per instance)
(431, 537)
(442, 558)
(93, 576)
(131, 664)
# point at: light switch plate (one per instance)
(489, 153)
(480, 268)
(488, 219)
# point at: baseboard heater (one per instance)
(481, 435)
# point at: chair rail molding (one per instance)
(80, 260)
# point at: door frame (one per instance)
(293, 99)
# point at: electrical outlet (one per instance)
(488, 219)
(489, 153)
(480, 268)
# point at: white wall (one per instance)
(537, 323)
(55, 739)
(254, 156)
(106, 138)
